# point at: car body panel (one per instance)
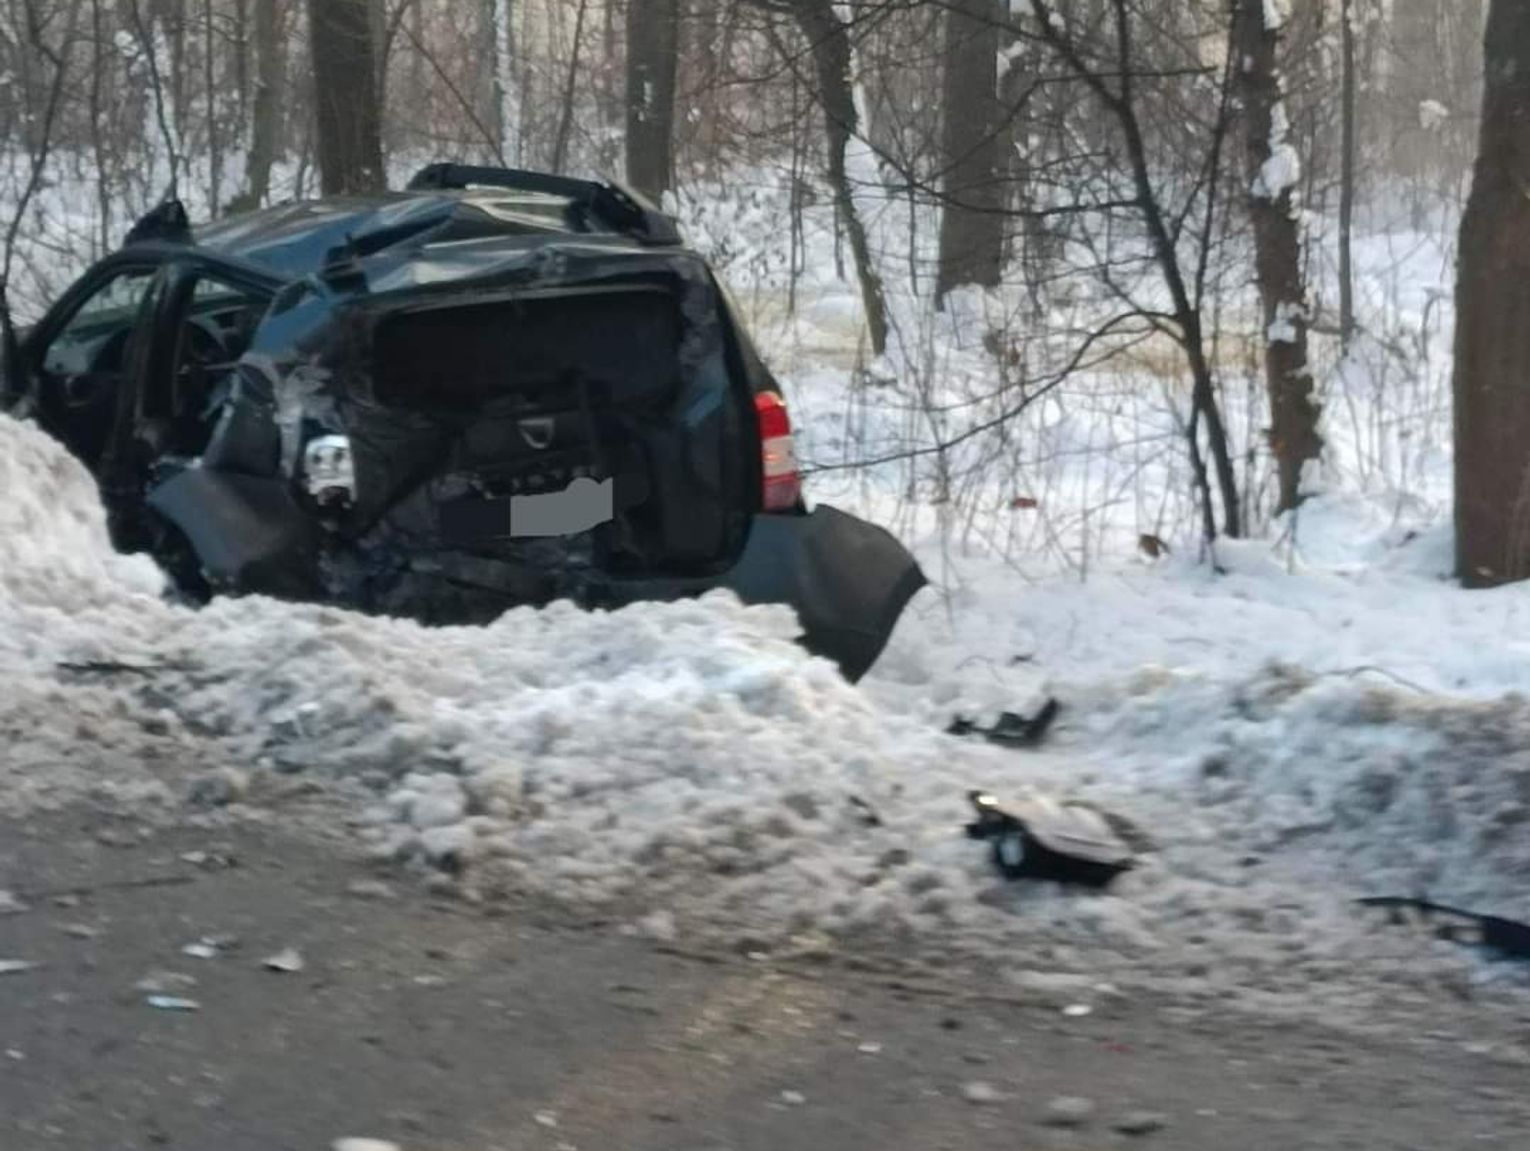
(327, 280)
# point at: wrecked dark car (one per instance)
(495, 388)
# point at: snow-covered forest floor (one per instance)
(1296, 721)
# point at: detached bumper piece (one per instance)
(848, 581)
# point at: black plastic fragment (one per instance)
(1508, 937)
(1034, 839)
(1011, 729)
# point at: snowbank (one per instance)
(690, 760)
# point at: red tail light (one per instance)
(778, 456)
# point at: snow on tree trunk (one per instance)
(1492, 369)
(1275, 173)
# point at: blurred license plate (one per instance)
(583, 505)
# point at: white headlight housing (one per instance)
(329, 471)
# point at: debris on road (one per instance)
(548, 1119)
(793, 1098)
(980, 1092)
(363, 1144)
(17, 966)
(1011, 729)
(172, 1003)
(161, 982)
(288, 961)
(369, 889)
(1140, 1123)
(1069, 1111)
(1077, 1010)
(10, 905)
(79, 931)
(1038, 838)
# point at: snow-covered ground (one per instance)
(1288, 740)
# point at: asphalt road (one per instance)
(440, 1027)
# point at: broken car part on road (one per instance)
(496, 389)
(1037, 838)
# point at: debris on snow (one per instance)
(1011, 729)
(1038, 838)
(1507, 937)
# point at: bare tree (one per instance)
(1492, 392)
(1115, 83)
(653, 48)
(54, 55)
(1274, 174)
(828, 39)
(266, 108)
(1347, 146)
(507, 93)
(345, 99)
(972, 217)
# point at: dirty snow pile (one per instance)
(690, 767)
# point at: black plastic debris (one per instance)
(1508, 937)
(1040, 839)
(867, 815)
(1011, 729)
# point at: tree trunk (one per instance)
(214, 129)
(266, 108)
(507, 93)
(972, 205)
(570, 91)
(1274, 172)
(653, 49)
(829, 40)
(1347, 17)
(1492, 391)
(345, 97)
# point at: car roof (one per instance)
(294, 239)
